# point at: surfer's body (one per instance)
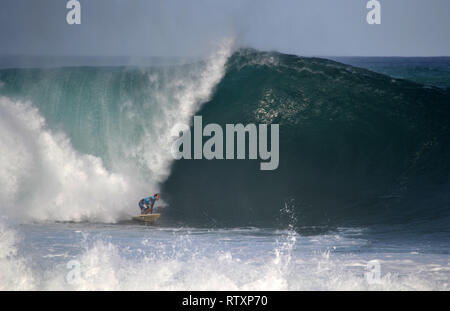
(146, 204)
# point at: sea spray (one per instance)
(178, 99)
(15, 273)
(107, 257)
(92, 142)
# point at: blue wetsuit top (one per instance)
(150, 200)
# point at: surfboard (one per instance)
(149, 218)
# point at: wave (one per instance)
(356, 147)
(85, 143)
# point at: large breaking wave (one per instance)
(355, 146)
(84, 144)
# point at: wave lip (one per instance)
(355, 146)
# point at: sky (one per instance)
(191, 28)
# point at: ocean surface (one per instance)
(360, 200)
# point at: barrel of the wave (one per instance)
(147, 218)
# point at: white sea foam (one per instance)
(14, 271)
(44, 178)
(105, 265)
(178, 100)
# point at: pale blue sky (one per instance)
(189, 27)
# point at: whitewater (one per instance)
(81, 145)
(130, 257)
(42, 170)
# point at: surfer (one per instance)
(146, 204)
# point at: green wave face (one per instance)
(355, 147)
